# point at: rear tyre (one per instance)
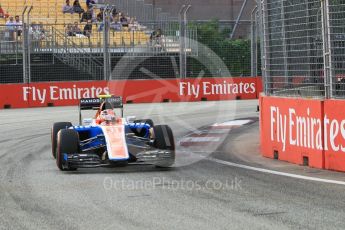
(54, 131)
(164, 139)
(67, 142)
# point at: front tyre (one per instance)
(67, 143)
(54, 131)
(164, 140)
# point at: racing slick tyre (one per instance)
(142, 132)
(164, 139)
(54, 131)
(67, 142)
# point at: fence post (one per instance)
(253, 41)
(185, 22)
(181, 40)
(238, 19)
(183, 30)
(326, 48)
(29, 44)
(25, 77)
(284, 45)
(106, 55)
(26, 45)
(264, 43)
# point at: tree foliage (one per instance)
(234, 53)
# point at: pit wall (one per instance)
(132, 91)
(303, 131)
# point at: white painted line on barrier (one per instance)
(316, 179)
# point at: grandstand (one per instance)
(49, 13)
(45, 50)
(81, 56)
(136, 36)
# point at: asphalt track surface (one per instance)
(199, 193)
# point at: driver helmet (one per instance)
(107, 116)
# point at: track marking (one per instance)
(316, 179)
(233, 123)
(203, 136)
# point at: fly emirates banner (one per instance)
(136, 91)
(297, 128)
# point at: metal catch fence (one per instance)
(59, 47)
(303, 47)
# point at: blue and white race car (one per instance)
(107, 140)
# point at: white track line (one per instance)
(276, 172)
(316, 179)
(232, 123)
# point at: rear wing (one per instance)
(95, 103)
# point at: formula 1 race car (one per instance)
(108, 140)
